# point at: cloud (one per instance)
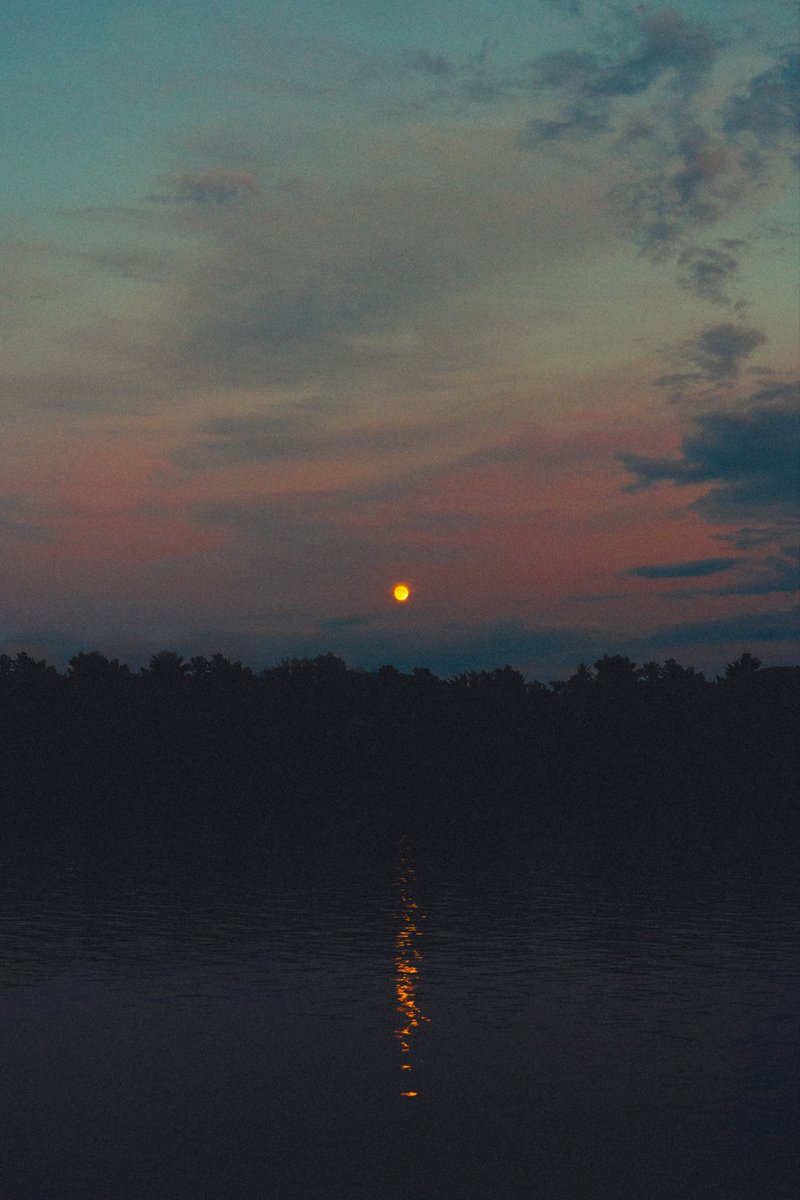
(720, 350)
(111, 390)
(684, 570)
(714, 358)
(774, 574)
(368, 279)
(667, 48)
(305, 431)
(751, 537)
(783, 393)
(217, 186)
(768, 107)
(429, 64)
(707, 272)
(677, 172)
(682, 188)
(701, 161)
(667, 44)
(686, 157)
(134, 263)
(753, 456)
(749, 628)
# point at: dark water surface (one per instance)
(529, 1025)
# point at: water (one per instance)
(527, 1025)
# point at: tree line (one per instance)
(208, 751)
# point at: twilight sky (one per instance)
(498, 297)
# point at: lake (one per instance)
(525, 1023)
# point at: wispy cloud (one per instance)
(709, 272)
(692, 569)
(306, 431)
(767, 107)
(720, 350)
(218, 185)
(664, 45)
(775, 574)
(745, 628)
(711, 361)
(687, 162)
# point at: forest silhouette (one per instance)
(207, 756)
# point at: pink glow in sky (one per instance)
(499, 299)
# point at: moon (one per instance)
(401, 592)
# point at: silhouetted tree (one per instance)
(652, 674)
(581, 682)
(743, 668)
(617, 674)
(93, 669)
(167, 667)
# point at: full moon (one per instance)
(401, 592)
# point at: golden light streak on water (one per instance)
(407, 960)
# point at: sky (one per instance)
(497, 298)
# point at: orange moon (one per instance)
(401, 592)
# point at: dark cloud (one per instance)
(429, 64)
(217, 186)
(701, 161)
(714, 358)
(600, 597)
(748, 628)
(666, 44)
(476, 80)
(681, 170)
(781, 394)
(768, 107)
(669, 44)
(575, 69)
(774, 575)
(677, 193)
(750, 537)
(692, 569)
(707, 272)
(753, 457)
(674, 174)
(453, 83)
(720, 350)
(581, 120)
(666, 47)
(771, 575)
